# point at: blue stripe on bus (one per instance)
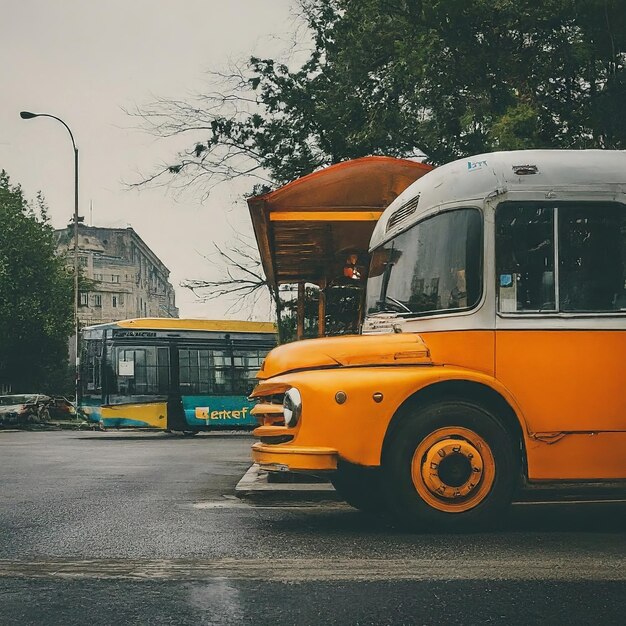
(91, 411)
(218, 410)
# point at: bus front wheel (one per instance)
(450, 465)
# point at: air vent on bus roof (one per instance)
(399, 215)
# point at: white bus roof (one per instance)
(498, 173)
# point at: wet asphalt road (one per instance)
(142, 528)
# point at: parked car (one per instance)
(60, 408)
(34, 408)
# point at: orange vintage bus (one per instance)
(493, 353)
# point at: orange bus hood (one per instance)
(351, 350)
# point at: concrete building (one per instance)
(127, 279)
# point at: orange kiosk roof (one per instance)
(305, 229)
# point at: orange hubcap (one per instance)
(453, 469)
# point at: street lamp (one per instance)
(27, 115)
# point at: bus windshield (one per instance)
(433, 267)
(91, 366)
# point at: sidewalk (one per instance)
(71, 424)
(51, 425)
(258, 484)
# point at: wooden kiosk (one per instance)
(308, 230)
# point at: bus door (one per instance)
(175, 413)
(137, 384)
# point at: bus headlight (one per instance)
(292, 407)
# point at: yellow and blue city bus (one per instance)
(172, 374)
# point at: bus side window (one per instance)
(221, 369)
(247, 363)
(525, 257)
(194, 371)
(592, 251)
(163, 370)
(139, 371)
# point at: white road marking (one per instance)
(549, 567)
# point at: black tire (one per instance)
(360, 487)
(422, 429)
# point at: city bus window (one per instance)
(215, 372)
(592, 258)
(194, 371)
(246, 365)
(139, 372)
(163, 370)
(525, 257)
(221, 371)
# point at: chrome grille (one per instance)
(268, 410)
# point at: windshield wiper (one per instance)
(401, 307)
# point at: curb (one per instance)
(70, 424)
(255, 485)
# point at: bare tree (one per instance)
(232, 126)
(213, 156)
(241, 277)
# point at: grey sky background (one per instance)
(84, 62)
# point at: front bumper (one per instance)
(286, 458)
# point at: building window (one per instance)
(114, 302)
(84, 299)
(115, 278)
(82, 261)
(120, 299)
(97, 276)
(97, 300)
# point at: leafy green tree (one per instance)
(36, 296)
(446, 78)
(442, 78)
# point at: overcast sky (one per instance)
(86, 61)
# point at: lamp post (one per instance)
(27, 115)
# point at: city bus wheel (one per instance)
(450, 465)
(359, 486)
